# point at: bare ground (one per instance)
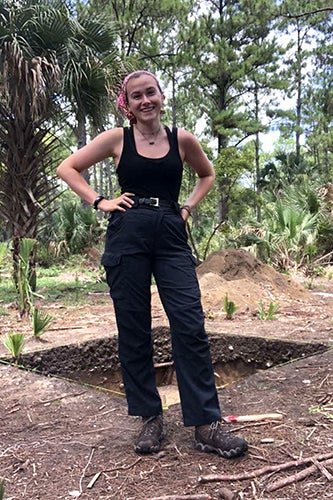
(65, 440)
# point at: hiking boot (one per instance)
(212, 437)
(151, 435)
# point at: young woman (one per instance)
(146, 236)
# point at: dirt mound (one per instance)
(246, 280)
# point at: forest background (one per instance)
(233, 71)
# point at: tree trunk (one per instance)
(257, 156)
(299, 98)
(81, 133)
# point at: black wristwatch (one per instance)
(97, 201)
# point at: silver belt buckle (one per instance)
(155, 202)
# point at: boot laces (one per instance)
(215, 428)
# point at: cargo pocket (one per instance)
(112, 266)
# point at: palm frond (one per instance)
(14, 343)
(40, 322)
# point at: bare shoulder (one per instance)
(188, 143)
(192, 152)
(110, 140)
(105, 145)
(185, 137)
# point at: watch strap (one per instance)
(97, 201)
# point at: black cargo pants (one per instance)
(146, 241)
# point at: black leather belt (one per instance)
(154, 202)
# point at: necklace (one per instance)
(152, 140)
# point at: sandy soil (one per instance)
(60, 439)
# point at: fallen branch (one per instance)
(248, 426)
(166, 364)
(323, 470)
(296, 477)
(263, 470)
(85, 469)
(183, 497)
(123, 467)
(102, 429)
(64, 328)
(93, 481)
(49, 401)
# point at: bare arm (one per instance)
(106, 144)
(194, 155)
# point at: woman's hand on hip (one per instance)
(122, 203)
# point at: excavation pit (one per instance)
(234, 357)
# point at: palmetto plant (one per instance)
(92, 69)
(14, 343)
(297, 226)
(40, 321)
(269, 313)
(75, 227)
(229, 307)
(290, 235)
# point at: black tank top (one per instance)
(146, 177)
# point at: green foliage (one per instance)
(56, 282)
(55, 65)
(3, 251)
(8, 293)
(325, 232)
(285, 171)
(229, 307)
(268, 314)
(218, 63)
(14, 343)
(308, 34)
(91, 67)
(39, 321)
(30, 78)
(326, 410)
(74, 227)
(2, 489)
(290, 226)
(48, 253)
(233, 35)
(231, 165)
